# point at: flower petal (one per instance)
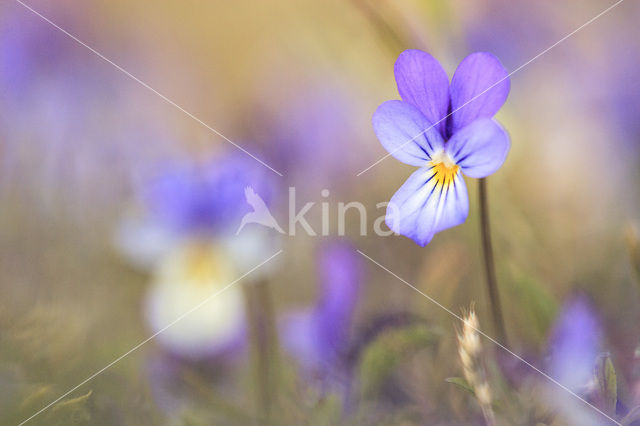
(317, 336)
(423, 83)
(298, 333)
(426, 204)
(479, 88)
(406, 133)
(480, 148)
(340, 276)
(574, 344)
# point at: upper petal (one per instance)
(479, 88)
(423, 83)
(425, 205)
(406, 133)
(480, 148)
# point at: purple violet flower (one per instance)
(317, 337)
(445, 129)
(574, 344)
(188, 236)
(206, 198)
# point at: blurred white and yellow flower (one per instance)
(191, 303)
(185, 235)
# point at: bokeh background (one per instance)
(95, 169)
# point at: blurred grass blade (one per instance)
(72, 411)
(633, 247)
(607, 383)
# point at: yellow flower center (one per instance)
(444, 169)
(202, 263)
(196, 264)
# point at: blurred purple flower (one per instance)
(495, 28)
(29, 49)
(574, 344)
(186, 236)
(621, 86)
(419, 131)
(205, 198)
(311, 130)
(63, 116)
(319, 336)
(45, 76)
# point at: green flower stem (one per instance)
(489, 264)
(263, 347)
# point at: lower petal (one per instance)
(427, 203)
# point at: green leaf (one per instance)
(461, 383)
(607, 383)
